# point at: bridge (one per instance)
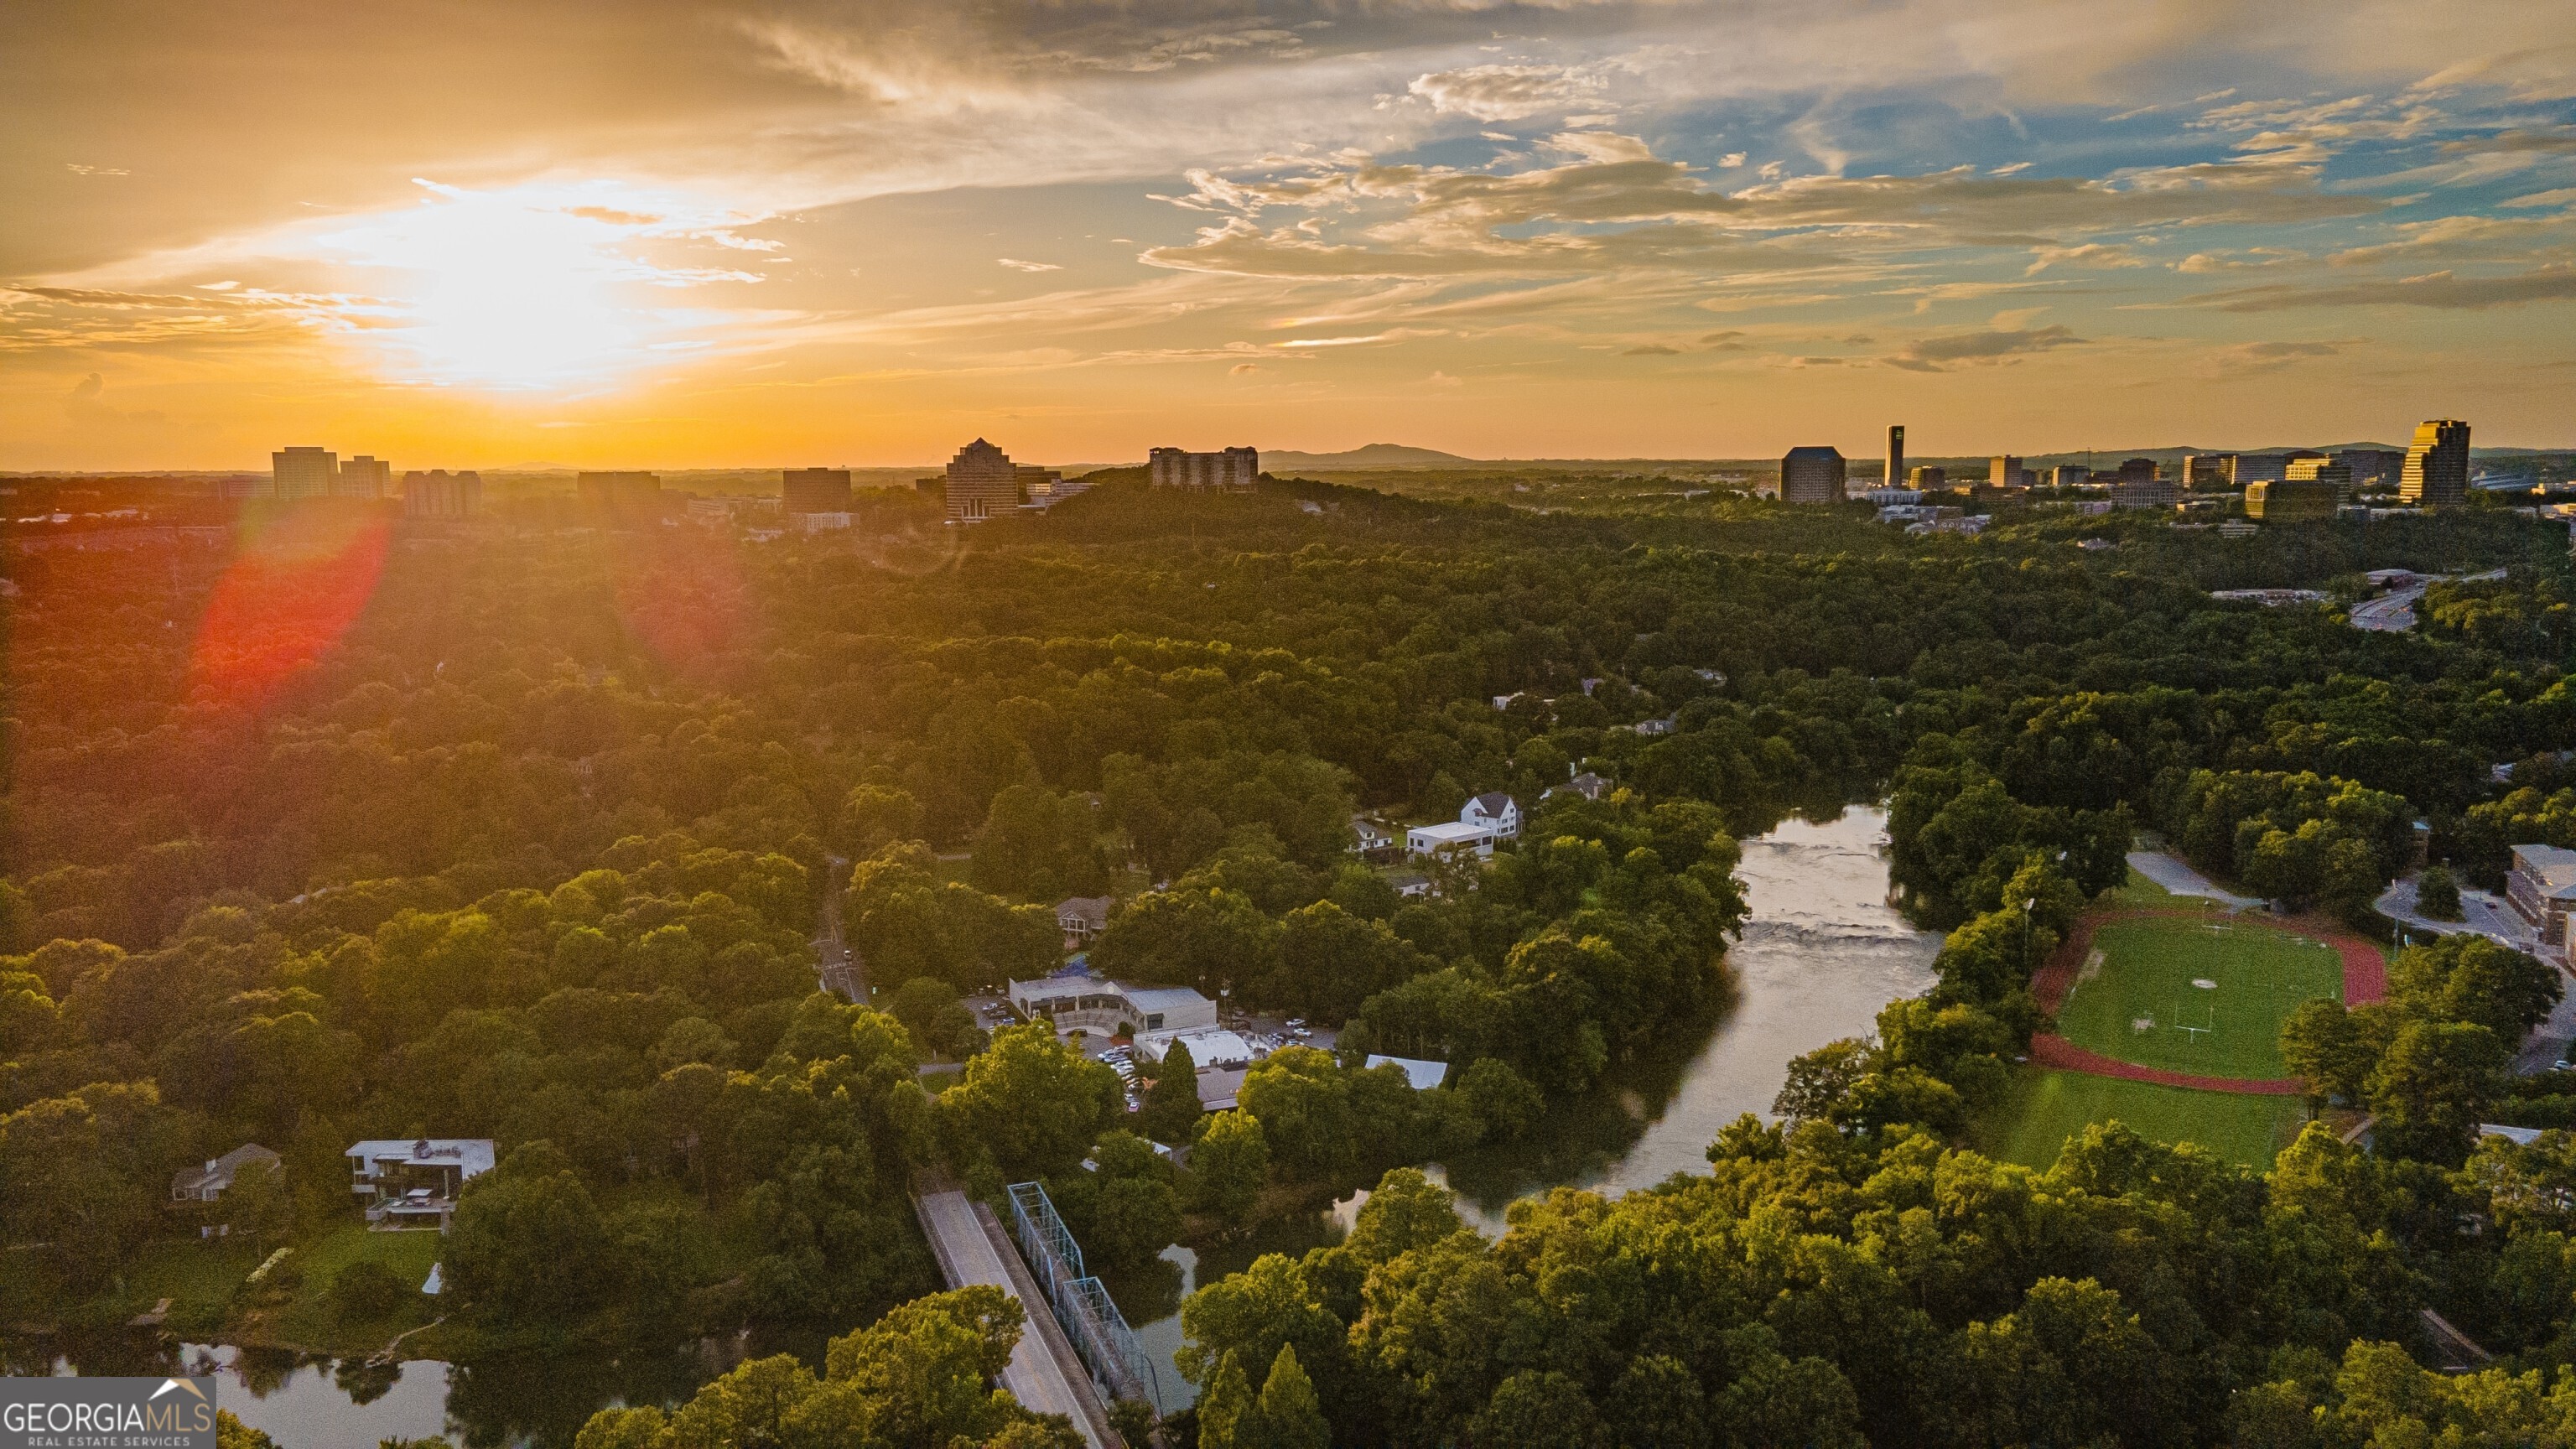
(1045, 1374)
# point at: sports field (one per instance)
(2193, 995)
(2046, 1108)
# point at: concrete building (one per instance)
(2208, 470)
(2005, 471)
(2373, 467)
(1079, 1001)
(2291, 502)
(1233, 469)
(815, 490)
(627, 491)
(2541, 887)
(983, 483)
(1895, 473)
(1449, 838)
(2436, 471)
(2137, 485)
(303, 472)
(413, 1183)
(363, 476)
(2318, 468)
(441, 494)
(2257, 468)
(820, 522)
(206, 1184)
(2069, 475)
(1928, 479)
(1812, 475)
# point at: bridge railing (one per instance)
(1081, 1303)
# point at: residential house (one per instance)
(1588, 785)
(414, 1183)
(1081, 918)
(1409, 884)
(1449, 838)
(1372, 835)
(207, 1183)
(1494, 811)
(2541, 887)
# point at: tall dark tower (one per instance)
(1896, 455)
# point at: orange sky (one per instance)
(683, 234)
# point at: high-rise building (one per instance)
(1812, 475)
(2069, 475)
(1927, 478)
(1234, 468)
(2006, 471)
(363, 476)
(1895, 454)
(2317, 468)
(2251, 468)
(982, 483)
(303, 472)
(2289, 500)
(2141, 488)
(620, 492)
(2373, 467)
(2208, 470)
(2436, 472)
(441, 494)
(817, 490)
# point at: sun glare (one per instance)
(535, 288)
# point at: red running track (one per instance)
(2365, 979)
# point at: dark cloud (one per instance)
(1652, 349)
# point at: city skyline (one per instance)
(683, 237)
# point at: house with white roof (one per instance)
(413, 1183)
(1449, 838)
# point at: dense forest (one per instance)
(524, 830)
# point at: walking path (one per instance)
(2365, 979)
(2169, 871)
(970, 1249)
(837, 966)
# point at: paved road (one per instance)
(839, 967)
(2394, 612)
(2490, 917)
(2180, 879)
(967, 1255)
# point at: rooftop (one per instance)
(2554, 866)
(1451, 830)
(1424, 1075)
(470, 1155)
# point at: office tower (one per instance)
(2137, 485)
(2292, 500)
(441, 494)
(363, 476)
(982, 483)
(2373, 467)
(2069, 475)
(1234, 468)
(2258, 468)
(818, 490)
(2006, 471)
(2208, 470)
(1895, 453)
(304, 472)
(1927, 478)
(2317, 468)
(1812, 475)
(620, 492)
(2436, 472)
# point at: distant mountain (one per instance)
(1375, 455)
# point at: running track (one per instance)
(2365, 978)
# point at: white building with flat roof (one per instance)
(1449, 837)
(1213, 1048)
(1080, 1002)
(413, 1182)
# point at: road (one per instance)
(2394, 611)
(967, 1254)
(839, 967)
(2179, 879)
(2487, 915)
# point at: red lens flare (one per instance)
(301, 579)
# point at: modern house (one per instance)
(1081, 918)
(414, 1183)
(1449, 838)
(2541, 887)
(1079, 1001)
(208, 1183)
(1495, 811)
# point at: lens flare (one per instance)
(302, 578)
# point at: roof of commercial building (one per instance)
(1210, 1046)
(1424, 1075)
(2551, 864)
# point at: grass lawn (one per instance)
(197, 1276)
(2139, 992)
(306, 1321)
(2048, 1107)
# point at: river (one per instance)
(1821, 953)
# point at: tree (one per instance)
(1033, 1102)
(1542, 1409)
(1504, 1102)
(2433, 1087)
(364, 1291)
(528, 1244)
(1229, 1167)
(2322, 1046)
(2437, 895)
(1229, 1416)
(1172, 1107)
(1291, 1418)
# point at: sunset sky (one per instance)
(663, 233)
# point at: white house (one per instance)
(409, 1182)
(1494, 811)
(1371, 835)
(208, 1183)
(1449, 838)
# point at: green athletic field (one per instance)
(2048, 1107)
(2137, 1000)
